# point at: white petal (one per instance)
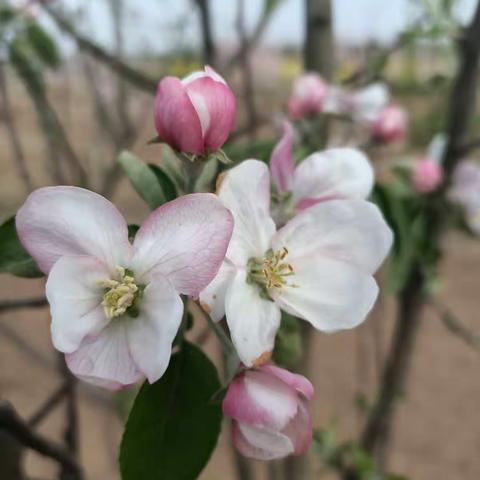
(261, 443)
(352, 231)
(185, 240)
(150, 335)
(252, 320)
(332, 295)
(334, 173)
(368, 102)
(212, 299)
(105, 360)
(63, 221)
(75, 300)
(245, 191)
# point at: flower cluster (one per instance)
(308, 245)
(369, 106)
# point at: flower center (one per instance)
(121, 294)
(271, 271)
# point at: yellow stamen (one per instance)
(120, 293)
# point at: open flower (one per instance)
(308, 95)
(195, 114)
(465, 191)
(116, 306)
(268, 407)
(333, 173)
(317, 267)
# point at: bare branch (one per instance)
(455, 326)
(209, 50)
(19, 429)
(6, 305)
(10, 124)
(135, 77)
(52, 401)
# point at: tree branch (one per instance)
(52, 401)
(135, 77)
(19, 429)
(453, 324)
(6, 305)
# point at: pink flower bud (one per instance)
(308, 96)
(391, 124)
(268, 407)
(427, 175)
(195, 114)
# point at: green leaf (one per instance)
(172, 166)
(165, 182)
(14, 258)
(143, 179)
(132, 231)
(173, 426)
(25, 66)
(42, 44)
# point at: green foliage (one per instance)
(288, 342)
(24, 64)
(206, 181)
(7, 14)
(150, 182)
(42, 44)
(132, 231)
(14, 258)
(167, 185)
(173, 426)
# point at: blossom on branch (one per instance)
(308, 96)
(317, 267)
(116, 306)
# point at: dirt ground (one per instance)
(437, 430)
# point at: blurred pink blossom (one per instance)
(391, 124)
(269, 412)
(308, 96)
(427, 175)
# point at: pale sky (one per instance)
(157, 25)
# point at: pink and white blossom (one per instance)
(195, 114)
(465, 191)
(367, 103)
(116, 306)
(318, 267)
(427, 175)
(332, 174)
(269, 411)
(308, 96)
(391, 124)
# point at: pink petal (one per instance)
(105, 360)
(184, 240)
(282, 165)
(151, 334)
(300, 430)
(176, 119)
(63, 221)
(295, 381)
(261, 400)
(215, 105)
(260, 443)
(75, 300)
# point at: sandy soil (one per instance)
(437, 434)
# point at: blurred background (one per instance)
(77, 87)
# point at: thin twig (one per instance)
(11, 126)
(7, 305)
(455, 326)
(19, 429)
(52, 401)
(135, 77)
